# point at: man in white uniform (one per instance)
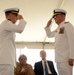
(7, 40)
(64, 42)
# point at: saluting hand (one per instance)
(49, 22)
(70, 61)
(20, 17)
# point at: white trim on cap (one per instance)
(60, 10)
(9, 9)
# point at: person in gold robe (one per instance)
(23, 68)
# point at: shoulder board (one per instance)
(66, 22)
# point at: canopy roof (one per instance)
(37, 13)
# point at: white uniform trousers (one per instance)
(64, 68)
(6, 69)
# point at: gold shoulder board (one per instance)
(66, 22)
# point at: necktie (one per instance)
(46, 69)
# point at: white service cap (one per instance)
(59, 11)
(12, 10)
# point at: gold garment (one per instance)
(28, 70)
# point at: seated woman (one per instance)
(23, 68)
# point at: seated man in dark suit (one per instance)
(39, 67)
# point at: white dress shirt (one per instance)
(47, 67)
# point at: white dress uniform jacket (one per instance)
(64, 41)
(7, 40)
